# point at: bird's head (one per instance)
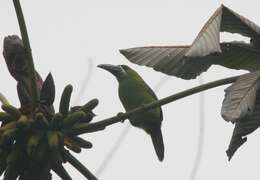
(119, 71)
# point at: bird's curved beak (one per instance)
(111, 68)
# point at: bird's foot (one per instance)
(120, 116)
(143, 106)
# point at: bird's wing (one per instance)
(188, 62)
(151, 92)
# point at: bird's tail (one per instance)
(157, 138)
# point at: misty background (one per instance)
(69, 38)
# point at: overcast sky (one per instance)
(65, 35)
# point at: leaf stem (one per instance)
(123, 116)
(27, 47)
(80, 167)
(3, 99)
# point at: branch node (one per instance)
(121, 117)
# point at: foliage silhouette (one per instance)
(34, 134)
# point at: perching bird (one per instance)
(134, 92)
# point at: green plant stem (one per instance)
(3, 99)
(61, 171)
(26, 43)
(80, 167)
(123, 116)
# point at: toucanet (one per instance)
(134, 92)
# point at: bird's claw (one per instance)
(120, 116)
(142, 106)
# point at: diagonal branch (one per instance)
(26, 43)
(80, 167)
(123, 116)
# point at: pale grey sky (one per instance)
(65, 34)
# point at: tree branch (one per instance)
(27, 47)
(123, 116)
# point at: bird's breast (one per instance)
(133, 96)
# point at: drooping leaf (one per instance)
(240, 97)
(188, 62)
(244, 127)
(48, 91)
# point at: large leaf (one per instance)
(244, 127)
(188, 62)
(240, 97)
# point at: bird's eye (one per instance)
(124, 67)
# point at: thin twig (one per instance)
(84, 84)
(80, 167)
(27, 47)
(201, 135)
(123, 116)
(113, 151)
